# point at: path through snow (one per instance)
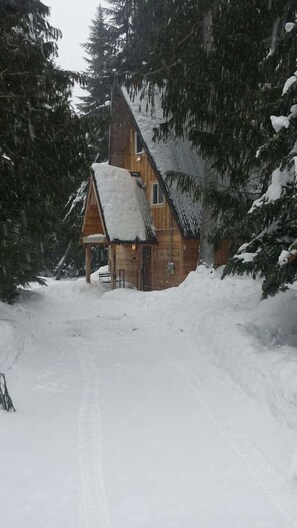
(125, 421)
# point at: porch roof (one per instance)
(124, 205)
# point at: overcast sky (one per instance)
(73, 17)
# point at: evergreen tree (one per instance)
(121, 13)
(272, 253)
(101, 50)
(99, 75)
(42, 147)
(207, 58)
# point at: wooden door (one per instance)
(147, 267)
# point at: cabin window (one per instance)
(138, 143)
(158, 196)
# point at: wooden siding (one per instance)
(162, 253)
(123, 154)
(190, 252)
(167, 250)
(92, 221)
(222, 254)
(128, 260)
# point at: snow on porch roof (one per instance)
(172, 154)
(124, 204)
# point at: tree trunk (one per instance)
(59, 267)
(5, 400)
(207, 229)
(206, 253)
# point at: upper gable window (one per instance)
(138, 143)
(157, 195)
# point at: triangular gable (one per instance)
(168, 155)
(93, 218)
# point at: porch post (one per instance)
(88, 263)
(113, 273)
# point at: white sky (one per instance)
(73, 18)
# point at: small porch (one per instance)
(128, 264)
(117, 216)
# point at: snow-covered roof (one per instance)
(176, 155)
(124, 204)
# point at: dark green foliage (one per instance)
(101, 49)
(276, 218)
(206, 57)
(42, 146)
(207, 60)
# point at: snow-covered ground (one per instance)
(173, 409)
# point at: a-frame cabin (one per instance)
(161, 256)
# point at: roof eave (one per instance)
(136, 241)
(101, 212)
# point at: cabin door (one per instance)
(147, 267)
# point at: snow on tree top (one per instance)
(169, 155)
(124, 204)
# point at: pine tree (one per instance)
(42, 147)
(101, 50)
(271, 254)
(206, 57)
(211, 83)
(121, 13)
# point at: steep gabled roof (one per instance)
(175, 155)
(124, 205)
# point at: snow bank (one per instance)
(130, 406)
(254, 341)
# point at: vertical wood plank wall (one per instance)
(190, 251)
(169, 247)
(92, 222)
(130, 261)
(222, 253)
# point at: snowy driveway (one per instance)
(123, 421)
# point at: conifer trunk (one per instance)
(206, 253)
(5, 400)
(62, 261)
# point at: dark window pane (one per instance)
(161, 196)
(138, 143)
(155, 193)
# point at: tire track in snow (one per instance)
(282, 494)
(93, 509)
